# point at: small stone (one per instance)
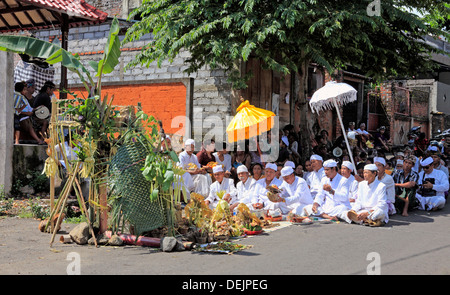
(168, 244)
(115, 240)
(80, 233)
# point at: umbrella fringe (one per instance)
(328, 104)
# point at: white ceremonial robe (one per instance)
(226, 185)
(246, 192)
(296, 197)
(314, 179)
(371, 197)
(332, 204)
(352, 185)
(390, 191)
(441, 185)
(261, 191)
(200, 182)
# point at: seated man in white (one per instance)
(221, 184)
(260, 188)
(315, 176)
(245, 188)
(388, 182)
(332, 200)
(295, 193)
(199, 177)
(432, 184)
(371, 205)
(347, 169)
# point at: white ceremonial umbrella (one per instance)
(334, 94)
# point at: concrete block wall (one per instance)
(212, 93)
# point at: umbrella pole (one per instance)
(343, 132)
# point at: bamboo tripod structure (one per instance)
(72, 171)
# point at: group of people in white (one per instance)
(331, 191)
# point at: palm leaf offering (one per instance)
(222, 247)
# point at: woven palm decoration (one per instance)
(131, 191)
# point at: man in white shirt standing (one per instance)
(432, 184)
(388, 181)
(221, 184)
(316, 175)
(371, 205)
(332, 200)
(245, 188)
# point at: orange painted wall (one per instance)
(164, 101)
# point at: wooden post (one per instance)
(103, 220)
(64, 45)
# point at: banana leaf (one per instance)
(112, 51)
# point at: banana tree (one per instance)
(96, 112)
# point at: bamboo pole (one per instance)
(81, 201)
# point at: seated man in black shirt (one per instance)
(405, 186)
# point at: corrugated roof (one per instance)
(20, 15)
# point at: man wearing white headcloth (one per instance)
(197, 180)
(290, 163)
(432, 184)
(331, 202)
(260, 189)
(295, 194)
(221, 184)
(371, 205)
(245, 188)
(315, 176)
(347, 169)
(388, 181)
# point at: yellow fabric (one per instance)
(248, 122)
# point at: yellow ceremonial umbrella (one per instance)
(249, 121)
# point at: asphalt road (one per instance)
(418, 244)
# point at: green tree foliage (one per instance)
(286, 34)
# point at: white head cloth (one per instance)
(290, 164)
(330, 163)
(217, 168)
(349, 165)
(316, 157)
(380, 160)
(371, 167)
(271, 166)
(189, 142)
(286, 171)
(242, 168)
(427, 161)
